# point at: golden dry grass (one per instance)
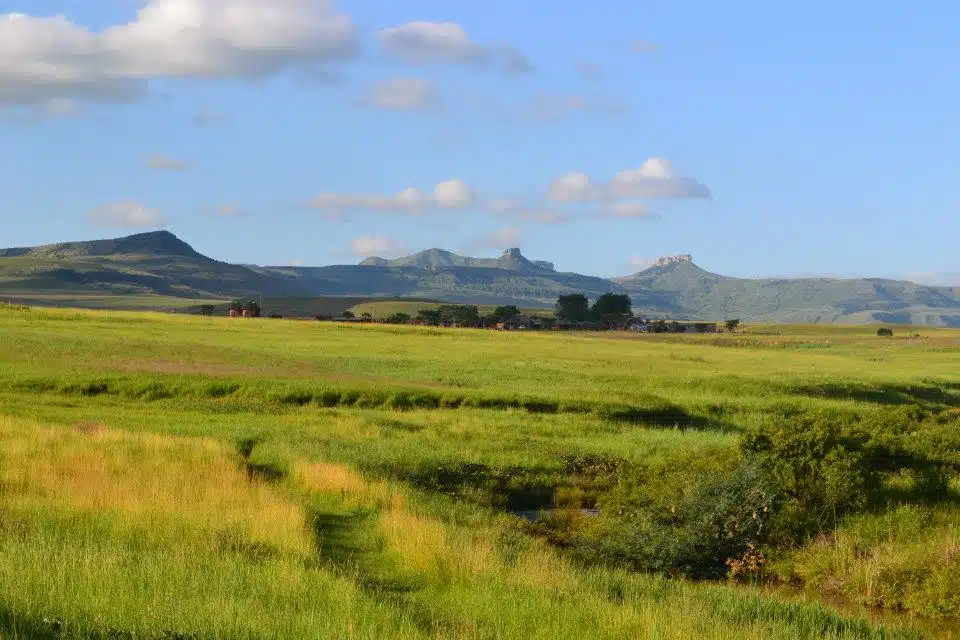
(94, 470)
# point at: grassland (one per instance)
(105, 301)
(165, 476)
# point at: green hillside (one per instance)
(156, 263)
(683, 290)
(159, 270)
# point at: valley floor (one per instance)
(164, 476)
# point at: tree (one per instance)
(612, 310)
(252, 309)
(366, 316)
(399, 318)
(732, 325)
(504, 313)
(207, 309)
(459, 314)
(612, 307)
(430, 317)
(573, 308)
(349, 315)
(885, 332)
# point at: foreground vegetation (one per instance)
(182, 477)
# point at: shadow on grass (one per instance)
(942, 395)
(15, 626)
(350, 544)
(648, 410)
(263, 469)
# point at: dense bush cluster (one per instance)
(795, 477)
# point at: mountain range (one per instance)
(162, 264)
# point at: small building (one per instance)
(234, 313)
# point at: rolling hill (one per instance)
(158, 265)
(680, 288)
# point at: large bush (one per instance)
(684, 516)
(821, 470)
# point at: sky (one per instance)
(815, 138)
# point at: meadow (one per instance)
(170, 476)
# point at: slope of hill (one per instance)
(160, 264)
(147, 263)
(682, 289)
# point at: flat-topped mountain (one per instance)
(511, 260)
(155, 243)
(674, 287)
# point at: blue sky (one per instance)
(817, 138)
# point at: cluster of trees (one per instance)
(610, 308)
(465, 315)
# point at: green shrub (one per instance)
(821, 470)
(686, 516)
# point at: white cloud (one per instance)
(166, 163)
(405, 94)
(126, 215)
(422, 42)
(376, 246)
(453, 194)
(50, 57)
(654, 179)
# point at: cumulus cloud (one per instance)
(125, 215)
(656, 178)
(453, 194)
(376, 246)
(50, 57)
(166, 163)
(405, 94)
(422, 42)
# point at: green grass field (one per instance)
(170, 476)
